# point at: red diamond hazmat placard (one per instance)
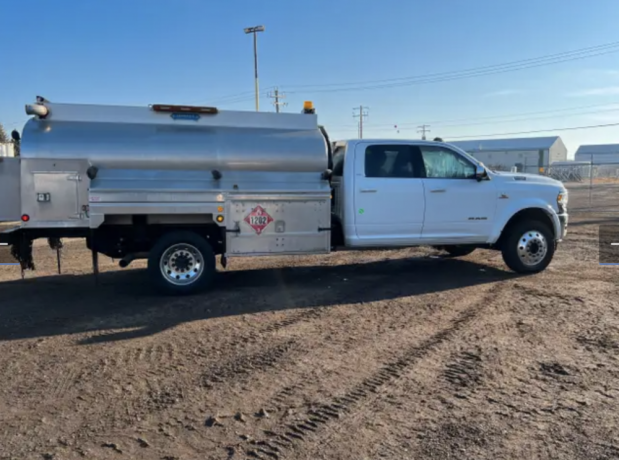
(258, 219)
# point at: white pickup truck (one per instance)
(405, 193)
(180, 185)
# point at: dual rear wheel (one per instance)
(181, 262)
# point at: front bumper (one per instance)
(563, 219)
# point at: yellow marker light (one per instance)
(220, 219)
(308, 105)
(220, 209)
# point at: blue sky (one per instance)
(194, 51)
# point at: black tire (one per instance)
(459, 251)
(197, 258)
(514, 248)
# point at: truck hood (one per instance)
(527, 178)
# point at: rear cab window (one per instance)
(393, 161)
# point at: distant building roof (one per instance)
(493, 145)
(597, 149)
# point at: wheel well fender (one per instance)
(528, 214)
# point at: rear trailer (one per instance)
(177, 185)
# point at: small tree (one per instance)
(4, 139)
(16, 139)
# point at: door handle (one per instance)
(438, 190)
(365, 190)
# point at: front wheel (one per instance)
(529, 247)
(181, 263)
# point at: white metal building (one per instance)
(598, 154)
(525, 154)
(7, 150)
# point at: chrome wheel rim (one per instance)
(181, 264)
(532, 248)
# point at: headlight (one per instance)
(562, 200)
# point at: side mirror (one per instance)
(480, 173)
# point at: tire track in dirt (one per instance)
(263, 360)
(287, 396)
(130, 356)
(61, 386)
(310, 314)
(389, 328)
(168, 351)
(157, 398)
(281, 439)
(150, 354)
(464, 370)
(248, 364)
(463, 373)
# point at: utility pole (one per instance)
(423, 129)
(255, 30)
(362, 113)
(277, 96)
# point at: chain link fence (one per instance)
(593, 186)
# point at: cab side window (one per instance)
(442, 163)
(392, 161)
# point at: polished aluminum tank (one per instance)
(118, 137)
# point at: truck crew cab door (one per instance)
(459, 209)
(388, 194)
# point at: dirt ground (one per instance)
(356, 355)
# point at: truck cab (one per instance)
(394, 193)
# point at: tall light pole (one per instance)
(255, 30)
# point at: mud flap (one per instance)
(21, 248)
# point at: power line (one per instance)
(362, 113)
(556, 58)
(466, 73)
(571, 128)
(499, 118)
(423, 129)
(234, 98)
(277, 96)
(610, 47)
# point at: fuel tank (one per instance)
(121, 137)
